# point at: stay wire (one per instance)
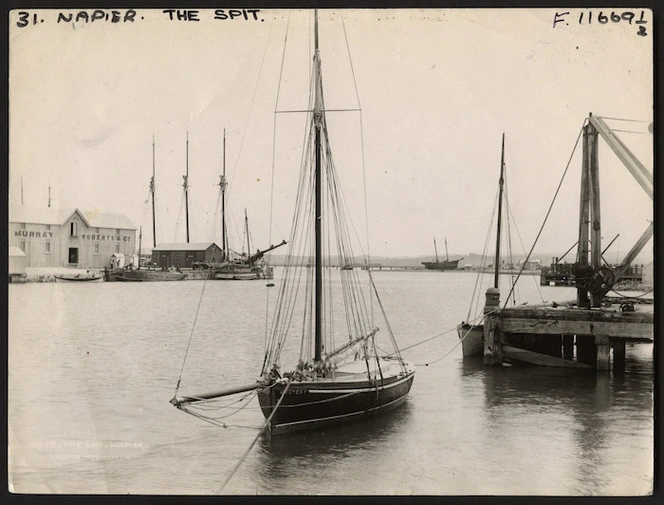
(191, 335)
(548, 212)
(265, 425)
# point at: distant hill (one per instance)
(471, 260)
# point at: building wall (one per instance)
(16, 265)
(185, 259)
(49, 245)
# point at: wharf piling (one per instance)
(563, 336)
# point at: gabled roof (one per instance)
(47, 215)
(203, 246)
(99, 220)
(41, 215)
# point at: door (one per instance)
(73, 255)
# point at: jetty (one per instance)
(593, 330)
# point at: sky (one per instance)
(437, 88)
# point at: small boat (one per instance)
(79, 277)
(343, 372)
(441, 265)
(139, 274)
(148, 275)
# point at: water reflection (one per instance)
(283, 458)
(584, 407)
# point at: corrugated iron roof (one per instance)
(184, 247)
(103, 220)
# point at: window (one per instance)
(21, 244)
(48, 226)
(117, 231)
(74, 229)
(96, 230)
(117, 247)
(96, 247)
(47, 247)
(22, 226)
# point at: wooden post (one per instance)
(493, 352)
(568, 347)
(584, 217)
(603, 352)
(596, 233)
(619, 356)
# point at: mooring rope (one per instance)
(265, 425)
(191, 335)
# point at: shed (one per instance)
(16, 261)
(117, 260)
(185, 255)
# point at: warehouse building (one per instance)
(70, 238)
(185, 255)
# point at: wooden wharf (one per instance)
(584, 332)
(565, 336)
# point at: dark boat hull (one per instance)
(441, 265)
(472, 339)
(149, 276)
(313, 404)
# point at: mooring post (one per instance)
(493, 349)
(603, 352)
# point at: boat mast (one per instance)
(49, 194)
(246, 230)
(154, 225)
(435, 248)
(185, 185)
(222, 185)
(140, 245)
(500, 214)
(447, 256)
(318, 198)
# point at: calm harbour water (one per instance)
(92, 368)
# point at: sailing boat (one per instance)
(138, 274)
(330, 382)
(441, 265)
(472, 336)
(248, 266)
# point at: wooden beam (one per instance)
(584, 217)
(629, 331)
(596, 221)
(633, 253)
(635, 167)
(537, 358)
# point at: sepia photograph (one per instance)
(331, 252)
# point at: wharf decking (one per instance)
(566, 335)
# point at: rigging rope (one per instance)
(251, 106)
(549, 210)
(191, 335)
(364, 176)
(265, 425)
